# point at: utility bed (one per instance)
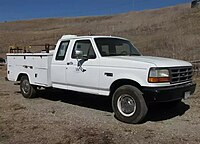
(36, 65)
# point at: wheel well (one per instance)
(20, 76)
(115, 85)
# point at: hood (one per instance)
(157, 61)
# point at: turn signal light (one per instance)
(158, 79)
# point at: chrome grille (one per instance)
(180, 74)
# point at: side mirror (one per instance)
(79, 54)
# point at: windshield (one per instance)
(115, 47)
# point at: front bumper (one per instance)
(166, 94)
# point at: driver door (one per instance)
(83, 72)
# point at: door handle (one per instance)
(69, 63)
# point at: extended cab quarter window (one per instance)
(84, 46)
(62, 50)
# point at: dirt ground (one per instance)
(63, 117)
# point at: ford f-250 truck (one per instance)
(106, 66)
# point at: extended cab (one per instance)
(107, 66)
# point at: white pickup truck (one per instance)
(106, 66)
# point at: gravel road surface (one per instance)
(63, 117)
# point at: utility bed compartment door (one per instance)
(36, 66)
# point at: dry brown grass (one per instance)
(170, 32)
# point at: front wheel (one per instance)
(27, 90)
(129, 105)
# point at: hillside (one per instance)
(169, 32)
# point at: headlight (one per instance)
(157, 75)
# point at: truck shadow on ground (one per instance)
(165, 111)
(101, 103)
(157, 112)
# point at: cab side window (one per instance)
(60, 56)
(85, 47)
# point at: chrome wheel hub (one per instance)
(126, 105)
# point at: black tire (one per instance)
(27, 90)
(129, 105)
(194, 4)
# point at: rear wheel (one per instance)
(27, 90)
(193, 4)
(129, 105)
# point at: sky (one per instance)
(12, 10)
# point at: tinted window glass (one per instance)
(62, 50)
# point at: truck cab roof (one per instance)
(68, 37)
